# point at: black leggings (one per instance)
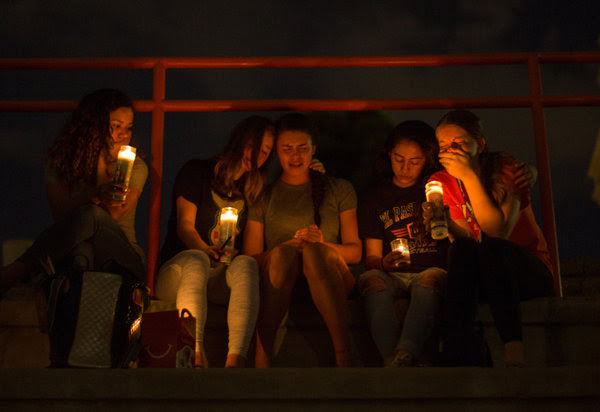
(495, 271)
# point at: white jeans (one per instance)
(188, 280)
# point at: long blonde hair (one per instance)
(247, 133)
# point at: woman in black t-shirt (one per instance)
(392, 210)
(192, 271)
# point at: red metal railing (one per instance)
(159, 105)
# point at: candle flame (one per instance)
(229, 214)
(433, 187)
(127, 153)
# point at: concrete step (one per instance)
(448, 389)
(22, 345)
(580, 277)
(557, 332)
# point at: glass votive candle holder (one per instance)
(401, 245)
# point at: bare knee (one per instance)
(319, 252)
(284, 254)
(283, 265)
(319, 260)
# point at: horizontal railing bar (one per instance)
(347, 61)
(294, 62)
(340, 104)
(315, 104)
(568, 57)
(570, 100)
(78, 63)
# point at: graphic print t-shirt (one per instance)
(193, 182)
(388, 212)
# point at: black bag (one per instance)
(92, 319)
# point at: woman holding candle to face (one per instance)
(91, 232)
(90, 228)
(499, 254)
(82, 160)
(307, 222)
(390, 212)
(199, 237)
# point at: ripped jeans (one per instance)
(379, 290)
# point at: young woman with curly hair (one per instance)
(307, 223)
(90, 230)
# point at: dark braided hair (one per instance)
(317, 182)
(86, 135)
(299, 122)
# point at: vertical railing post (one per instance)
(156, 169)
(543, 164)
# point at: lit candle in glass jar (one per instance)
(401, 245)
(435, 198)
(227, 225)
(123, 168)
(434, 191)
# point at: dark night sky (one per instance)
(38, 28)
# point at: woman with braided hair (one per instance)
(307, 223)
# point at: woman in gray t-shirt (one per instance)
(307, 223)
(87, 229)
(91, 231)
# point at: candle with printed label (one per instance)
(435, 197)
(123, 168)
(227, 225)
(401, 245)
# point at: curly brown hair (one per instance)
(86, 135)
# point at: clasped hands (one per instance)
(310, 234)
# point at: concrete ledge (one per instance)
(566, 311)
(17, 307)
(557, 332)
(296, 389)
